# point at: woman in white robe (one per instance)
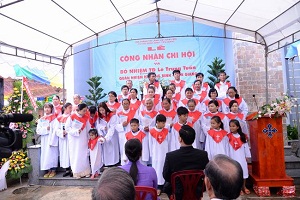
(106, 128)
(49, 141)
(77, 127)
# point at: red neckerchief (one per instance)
(159, 136)
(151, 114)
(171, 113)
(185, 101)
(129, 115)
(202, 95)
(113, 107)
(140, 135)
(177, 97)
(108, 117)
(236, 143)
(155, 101)
(135, 105)
(58, 109)
(181, 84)
(93, 120)
(82, 119)
(227, 100)
(62, 118)
(217, 135)
(210, 115)
(92, 143)
(208, 100)
(178, 126)
(226, 83)
(50, 117)
(235, 115)
(120, 97)
(195, 115)
(156, 84)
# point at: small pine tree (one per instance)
(95, 91)
(215, 68)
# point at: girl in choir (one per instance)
(233, 95)
(77, 127)
(212, 95)
(93, 116)
(216, 138)
(123, 126)
(63, 143)
(194, 117)
(238, 149)
(213, 107)
(105, 125)
(113, 103)
(168, 112)
(176, 96)
(49, 141)
(159, 144)
(95, 150)
(235, 114)
(135, 103)
(189, 94)
(174, 102)
(56, 104)
(151, 94)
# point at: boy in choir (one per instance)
(63, 143)
(223, 85)
(49, 141)
(159, 144)
(189, 94)
(129, 84)
(194, 117)
(180, 84)
(182, 114)
(124, 93)
(153, 81)
(95, 150)
(93, 116)
(141, 136)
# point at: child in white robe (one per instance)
(238, 149)
(63, 143)
(159, 145)
(189, 94)
(223, 85)
(95, 149)
(194, 117)
(233, 95)
(235, 114)
(49, 141)
(216, 138)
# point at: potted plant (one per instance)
(293, 140)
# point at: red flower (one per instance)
(24, 135)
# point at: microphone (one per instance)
(6, 118)
(255, 101)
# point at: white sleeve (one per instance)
(41, 130)
(111, 127)
(69, 129)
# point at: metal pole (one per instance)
(267, 79)
(63, 68)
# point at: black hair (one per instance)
(124, 86)
(176, 71)
(188, 89)
(133, 151)
(114, 94)
(49, 105)
(56, 97)
(222, 72)
(199, 74)
(125, 100)
(225, 176)
(182, 111)
(65, 107)
(212, 90)
(150, 73)
(173, 84)
(240, 132)
(160, 118)
(151, 86)
(214, 102)
(187, 134)
(191, 101)
(195, 81)
(167, 99)
(218, 120)
(105, 107)
(93, 131)
(235, 90)
(136, 91)
(232, 102)
(81, 106)
(134, 121)
(93, 109)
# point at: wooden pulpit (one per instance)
(267, 151)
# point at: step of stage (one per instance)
(292, 165)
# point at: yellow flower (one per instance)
(15, 88)
(22, 167)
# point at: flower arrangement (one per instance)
(19, 164)
(163, 82)
(279, 107)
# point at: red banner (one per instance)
(25, 84)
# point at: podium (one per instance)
(267, 152)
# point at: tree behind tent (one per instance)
(215, 68)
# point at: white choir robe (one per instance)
(243, 107)
(49, 145)
(199, 137)
(180, 87)
(222, 88)
(96, 158)
(158, 88)
(158, 153)
(242, 119)
(111, 151)
(213, 148)
(206, 117)
(240, 155)
(122, 131)
(78, 149)
(63, 144)
(183, 103)
(204, 105)
(175, 134)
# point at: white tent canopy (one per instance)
(47, 30)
